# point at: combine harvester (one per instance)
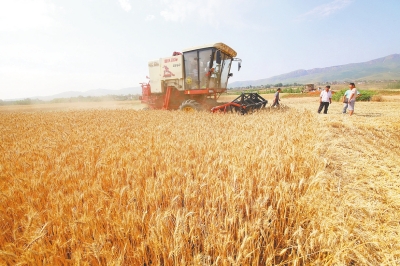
(194, 79)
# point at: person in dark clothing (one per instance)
(276, 99)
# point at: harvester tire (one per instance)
(190, 106)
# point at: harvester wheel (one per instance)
(190, 106)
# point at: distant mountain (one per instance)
(384, 68)
(93, 93)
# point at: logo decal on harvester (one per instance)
(167, 72)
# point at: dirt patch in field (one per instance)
(391, 98)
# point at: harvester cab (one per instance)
(208, 68)
(189, 80)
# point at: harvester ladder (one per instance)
(167, 97)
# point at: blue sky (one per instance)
(52, 46)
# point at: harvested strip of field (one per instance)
(132, 187)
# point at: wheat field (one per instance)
(118, 186)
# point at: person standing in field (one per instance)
(276, 99)
(325, 98)
(352, 98)
(346, 98)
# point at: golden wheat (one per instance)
(126, 187)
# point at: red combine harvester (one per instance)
(194, 79)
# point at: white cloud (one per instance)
(212, 12)
(150, 17)
(126, 5)
(26, 14)
(326, 9)
(178, 10)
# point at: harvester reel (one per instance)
(190, 106)
(245, 103)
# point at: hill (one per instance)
(384, 68)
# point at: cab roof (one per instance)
(219, 45)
